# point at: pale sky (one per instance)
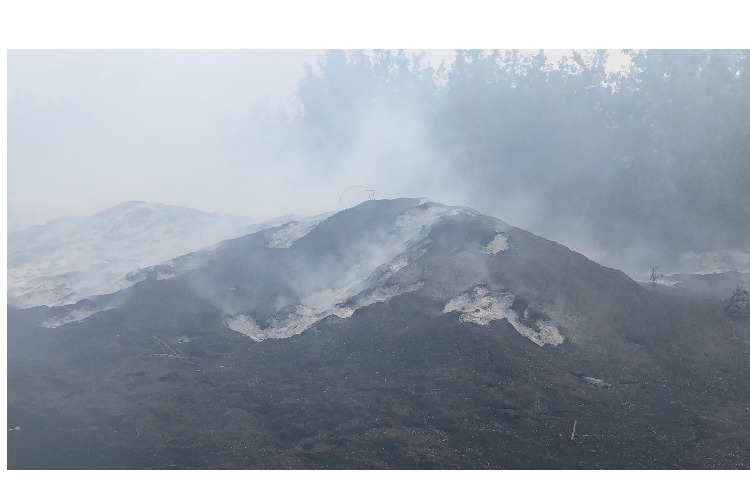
(89, 129)
(92, 128)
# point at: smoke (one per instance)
(633, 169)
(616, 166)
(70, 259)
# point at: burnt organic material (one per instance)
(392, 335)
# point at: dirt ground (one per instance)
(381, 390)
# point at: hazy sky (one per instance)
(92, 128)
(88, 129)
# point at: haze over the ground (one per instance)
(89, 129)
(633, 178)
(161, 126)
(175, 127)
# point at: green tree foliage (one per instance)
(739, 305)
(347, 90)
(688, 140)
(656, 154)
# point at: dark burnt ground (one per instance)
(392, 387)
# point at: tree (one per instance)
(350, 93)
(654, 157)
(739, 305)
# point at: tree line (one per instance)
(656, 154)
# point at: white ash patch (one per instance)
(245, 325)
(72, 317)
(380, 294)
(292, 231)
(420, 218)
(498, 244)
(384, 294)
(371, 272)
(398, 263)
(595, 381)
(67, 260)
(293, 324)
(410, 227)
(343, 312)
(297, 322)
(328, 301)
(548, 333)
(331, 300)
(161, 275)
(481, 306)
(477, 306)
(387, 270)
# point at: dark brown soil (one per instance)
(384, 389)
(160, 382)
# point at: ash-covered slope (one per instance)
(397, 333)
(69, 259)
(278, 282)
